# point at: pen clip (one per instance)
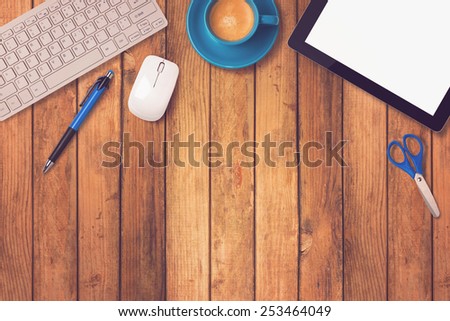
(98, 81)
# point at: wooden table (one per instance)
(88, 232)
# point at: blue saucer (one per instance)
(225, 56)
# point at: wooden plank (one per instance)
(187, 188)
(321, 261)
(441, 226)
(409, 221)
(55, 199)
(143, 220)
(232, 186)
(365, 198)
(16, 191)
(276, 192)
(99, 191)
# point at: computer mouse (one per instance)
(153, 88)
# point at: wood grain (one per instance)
(277, 208)
(16, 178)
(143, 199)
(365, 198)
(441, 226)
(98, 209)
(187, 188)
(409, 241)
(232, 186)
(55, 199)
(321, 199)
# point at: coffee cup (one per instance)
(233, 22)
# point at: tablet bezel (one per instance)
(297, 42)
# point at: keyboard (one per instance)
(61, 40)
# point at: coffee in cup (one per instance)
(231, 20)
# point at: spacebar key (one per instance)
(74, 68)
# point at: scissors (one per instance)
(413, 167)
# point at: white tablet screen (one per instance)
(402, 45)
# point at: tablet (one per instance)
(398, 51)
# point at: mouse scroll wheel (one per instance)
(161, 67)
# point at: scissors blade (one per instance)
(427, 195)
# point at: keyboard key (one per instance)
(23, 52)
(13, 103)
(9, 75)
(80, 19)
(68, 25)
(67, 56)
(102, 5)
(65, 1)
(55, 48)
(25, 96)
(44, 55)
(7, 34)
(72, 69)
(123, 9)
(78, 49)
(101, 22)
(44, 69)
(121, 40)
(101, 36)
(32, 62)
(34, 31)
(55, 6)
(7, 91)
(68, 11)
(56, 63)
(113, 30)
(66, 42)
(158, 23)
(11, 59)
(2, 64)
(89, 43)
(4, 110)
(91, 13)
(78, 5)
(42, 14)
(135, 36)
(124, 23)
(146, 30)
(108, 48)
(89, 28)
(57, 32)
(56, 18)
(32, 76)
(137, 3)
(45, 24)
(19, 27)
(112, 15)
(38, 89)
(22, 37)
(142, 12)
(11, 44)
(78, 35)
(30, 20)
(2, 50)
(21, 82)
(115, 2)
(46, 39)
(34, 45)
(20, 68)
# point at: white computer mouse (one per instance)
(153, 88)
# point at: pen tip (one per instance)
(47, 166)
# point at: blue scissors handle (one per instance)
(416, 159)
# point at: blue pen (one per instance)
(92, 97)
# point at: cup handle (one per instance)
(269, 20)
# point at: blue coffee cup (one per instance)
(259, 20)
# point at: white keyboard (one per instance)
(60, 40)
